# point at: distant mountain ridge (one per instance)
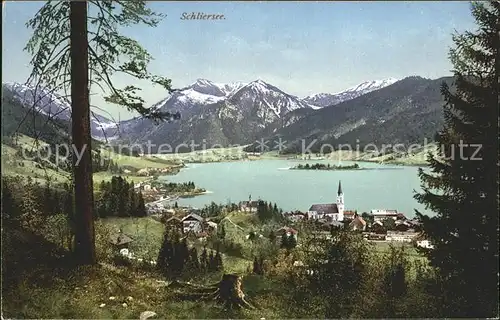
(241, 113)
(405, 112)
(327, 99)
(52, 105)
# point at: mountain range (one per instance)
(241, 113)
(327, 99)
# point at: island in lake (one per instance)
(322, 166)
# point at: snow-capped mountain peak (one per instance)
(369, 86)
(43, 100)
(327, 99)
(262, 96)
(51, 104)
(204, 86)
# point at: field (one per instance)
(152, 161)
(13, 163)
(209, 155)
(148, 235)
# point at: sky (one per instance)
(302, 48)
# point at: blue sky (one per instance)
(302, 48)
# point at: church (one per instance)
(330, 211)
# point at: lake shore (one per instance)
(272, 180)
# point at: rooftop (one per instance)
(383, 212)
(192, 216)
(120, 239)
(252, 203)
(325, 208)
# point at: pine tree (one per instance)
(285, 241)
(122, 194)
(204, 262)
(218, 264)
(292, 241)
(102, 187)
(463, 190)
(181, 255)
(48, 199)
(141, 206)
(133, 201)
(256, 266)
(394, 283)
(221, 232)
(30, 208)
(165, 260)
(211, 262)
(261, 265)
(272, 236)
(262, 211)
(67, 53)
(10, 206)
(193, 261)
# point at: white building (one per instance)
(425, 244)
(400, 236)
(192, 222)
(382, 214)
(330, 211)
(249, 206)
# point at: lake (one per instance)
(380, 187)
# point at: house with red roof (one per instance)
(286, 231)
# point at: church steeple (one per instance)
(340, 203)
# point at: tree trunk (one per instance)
(227, 292)
(230, 292)
(80, 106)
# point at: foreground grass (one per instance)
(106, 292)
(45, 288)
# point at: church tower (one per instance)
(340, 203)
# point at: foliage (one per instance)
(118, 198)
(213, 209)
(462, 188)
(367, 217)
(288, 241)
(176, 259)
(110, 52)
(101, 163)
(322, 166)
(267, 212)
(348, 255)
(174, 187)
(389, 224)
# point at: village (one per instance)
(379, 226)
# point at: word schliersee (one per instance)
(201, 16)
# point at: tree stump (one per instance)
(229, 292)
